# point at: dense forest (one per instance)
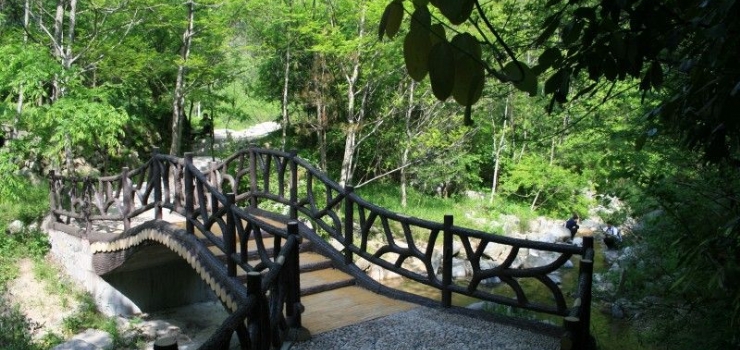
(537, 104)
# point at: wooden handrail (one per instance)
(260, 177)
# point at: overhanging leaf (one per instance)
(437, 33)
(441, 71)
(456, 11)
(416, 47)
(522, 77)
(421, 20)
(390, 22)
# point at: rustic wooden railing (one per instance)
(277, 181)
(167, 182)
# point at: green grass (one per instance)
(466, 211)
(15, 328)
(239, 111)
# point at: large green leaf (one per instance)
(390, 22)
(469, 72)
(416, 47)
(441, 69)
(421, 20)
(456, 11)
(522, 77)
(437, 33)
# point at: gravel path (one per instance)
(252, 133)
(427, 328)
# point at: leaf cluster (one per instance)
(681, 50)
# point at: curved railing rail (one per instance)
(264, 313)
(273, 180)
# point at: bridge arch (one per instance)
(177, 270)
(260, 180)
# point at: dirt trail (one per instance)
(45, 306)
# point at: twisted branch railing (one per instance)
(271, 180)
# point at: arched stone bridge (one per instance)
(245, 226)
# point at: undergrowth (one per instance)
(29, 242)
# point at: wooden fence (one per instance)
(275, 181)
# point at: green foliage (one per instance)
(79, 121)
(692, 264)
(15, 328)
(441, 155)
(553, 189)
(31, 209)
(420, 204)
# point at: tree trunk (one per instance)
(497, 158)
(534, 201)
(405, 154)
(353, 120)
(178, 102)
(321, 133)
(552, 151)
(286, 81)
(19, 104)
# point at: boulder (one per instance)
(91, 339)
(461, 268)
(15, 227)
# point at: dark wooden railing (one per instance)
(276, 181)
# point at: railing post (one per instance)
(348, 224)
(87, 199)
(127, 200)
(293, 297)
(189, 199)
(293, 185)
(53, 193)
(293, 306)
(230, 235)
(252, 179)
(259, 335)
(587, 266)
(213, 178)
(156, 178)
(447, 262)
(572, 336)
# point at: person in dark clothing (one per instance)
(612, 236)
(206, 126)
(572, 225)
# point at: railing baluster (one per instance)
(587, 265)
(259, 334)
(156, 177)
(230, 235)
(447, 262)
(213, 179)
(292, 284)
(252, 178)
(293, 185)
(127, 200)
(188, 178)
(349, 229)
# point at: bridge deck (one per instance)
(330, 298)
(347, 306)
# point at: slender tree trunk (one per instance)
(353, 121)
(178, 102)
(71, 23)
(552, 151)
(19, 104)
(497, 159)
(62, 50)
(534, 201)
(321, 133)
(58, 48)
(405, 154)
(286, 82)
